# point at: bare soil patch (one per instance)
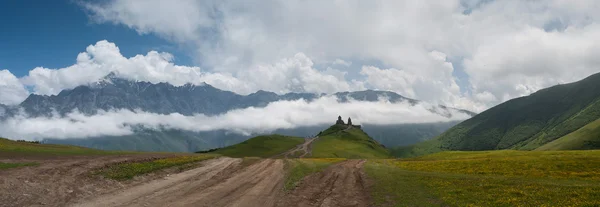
(58, 180)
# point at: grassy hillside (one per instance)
(587, 137)
(22, 148)
(261, 146)
(523, 123)
(353, 143)
(488, 178)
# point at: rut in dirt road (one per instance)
(342, 184)
(162, 192)
(257, 185)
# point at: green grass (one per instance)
(493, 178)
(27, 148)
(128, 170)
(353, 143)
(13, 165)
(587, 137)
(261, 146)
(300, 168)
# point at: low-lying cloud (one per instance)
(276, 115)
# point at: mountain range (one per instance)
(562, 117)
(113, 92)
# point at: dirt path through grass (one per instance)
(342, 184)
(304, 148)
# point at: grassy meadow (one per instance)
(22, 148)
(297, 169)
(489, 178)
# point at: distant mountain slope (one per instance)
(394, 135)
(347, 142)
(158, 140)
(522, 123)
(587, 137)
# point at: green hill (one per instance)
(587, 137)
(523, 123)
(261, 146)
(343, 142)
(24, 148)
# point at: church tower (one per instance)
(339, 121)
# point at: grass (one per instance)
(128, 170)
(493, 178)
(28, 148)
(587, 137)
(13, 165)
(353, 143)
(300, 168)
(261, 146)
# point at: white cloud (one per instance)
(295, 74)
(510, 48)
(342, 62)
(277, 115)
(11, 90)
(529, 60)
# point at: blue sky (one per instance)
(51, 34)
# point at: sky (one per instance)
(470, 54)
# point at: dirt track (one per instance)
(304, 148)
(57, 180)
(342, 184)
(217, 182)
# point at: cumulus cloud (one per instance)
(508, 48)
(276, 115)
(11, 90)
(294, 74)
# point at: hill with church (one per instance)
(341, 140)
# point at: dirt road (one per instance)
(219, 182)
(304, 148)
(173, 186)
(57, 180)
(257, 185)
(342, 184)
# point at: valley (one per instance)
(342, 166)
(294, 103)
(514, 154)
